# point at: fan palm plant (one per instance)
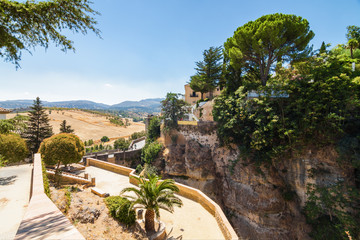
(152, 196)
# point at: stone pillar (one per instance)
(93, 182)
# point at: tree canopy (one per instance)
(25, 25)
(38, 126)
(208, 71)
(272, 38)
(12, 147)
(173, 109)
(353, 32)
(63, 148)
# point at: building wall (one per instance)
(192, 97)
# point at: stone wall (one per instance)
(43, 220)
(251, 196)
(129, 158)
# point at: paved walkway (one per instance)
(14, 198)
(191, 221)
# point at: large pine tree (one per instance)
(38, 126)
(208, 72)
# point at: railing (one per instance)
(185, 191)
(43, 220)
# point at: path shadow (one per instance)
(7, 180)
(168, 237)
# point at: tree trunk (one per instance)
(351, 51)
(149, 220)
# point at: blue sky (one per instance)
(150, 47)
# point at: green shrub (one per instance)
(121, 144)
(137, 135)
(153, 129)
(138, 169)
(12, 148)
(105, 139)
(151, 151)
(149, 170)
(119, 209)
(45, 180)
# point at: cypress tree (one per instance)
(65, 128)
(38, 126)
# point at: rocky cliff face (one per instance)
(261, 203)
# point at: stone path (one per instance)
(191, 221)
(14, 198)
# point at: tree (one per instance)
(12, 148)
(153, 131)
(151, 151)
(173, 109)
(153, 195)
(209, 71)
(65, 128)
(272, 38)
(6, 127)
(38, 126)
(353, 32)
(24, 25)
(105, 139)
(322, 48)
(352, 44)
(63, 148)
(121, 144)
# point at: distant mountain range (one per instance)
(145, 105)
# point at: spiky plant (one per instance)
(152, 196)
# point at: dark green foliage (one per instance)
(353, 32)
(105, 139)
(6, 127)
(12, 148)
(16, 124)
(63, 148)
(260, 44)
(208, 72)
(322, 48)
(119, 209)
(137, 135)
(173, 109)
(38, 126)
(138, 169)
(330, 210)
(321, 102)
(153, 131)
(117, 121)
(151, 151)
(67, 200)
(25, 25)
(121, 144)
(65, 128)
(45, 180)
